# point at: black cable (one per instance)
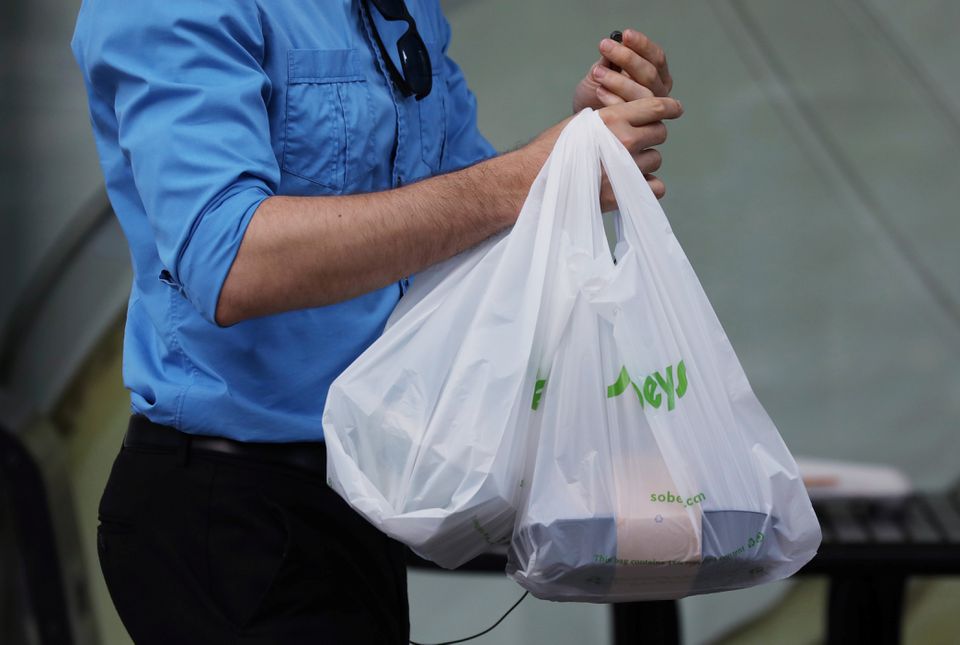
(478, 635)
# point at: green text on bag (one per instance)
(538, 392)
(649, 393)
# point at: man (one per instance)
(279, 168)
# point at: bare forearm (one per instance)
(301, 252)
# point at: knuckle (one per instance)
(658, 57)
(619, 55)
(647, 75)
(654, 134)
(656, 159)
(631, 61)
(613, 80)
(661, 132)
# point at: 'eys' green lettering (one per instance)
(651, 389)
(654, 387)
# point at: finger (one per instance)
(638, 124)
(620, 84)
(656, 185)
(648, 110)
(601, 62)
(648, 160)
(609, 99)
(640, 69)
(645, 136)
(652, 52)
(608, 202)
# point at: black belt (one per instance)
(144, 434)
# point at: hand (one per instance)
(644, 73)
(639, 125)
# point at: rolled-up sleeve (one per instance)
(190, 96)
(465, 144)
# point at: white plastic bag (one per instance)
(426, 430)
(656, 473)
(488, 392)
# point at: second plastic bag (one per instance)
(654, 471)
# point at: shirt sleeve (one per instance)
(465, 144)
(190, 95)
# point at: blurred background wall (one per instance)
(812, 182)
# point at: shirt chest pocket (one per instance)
(327, 109)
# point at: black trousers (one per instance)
(199, 547)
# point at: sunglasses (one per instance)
(417, 74)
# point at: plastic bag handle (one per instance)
(585, 148)
(629, 185)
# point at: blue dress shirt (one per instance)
(201, 109)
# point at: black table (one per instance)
(870, 548)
